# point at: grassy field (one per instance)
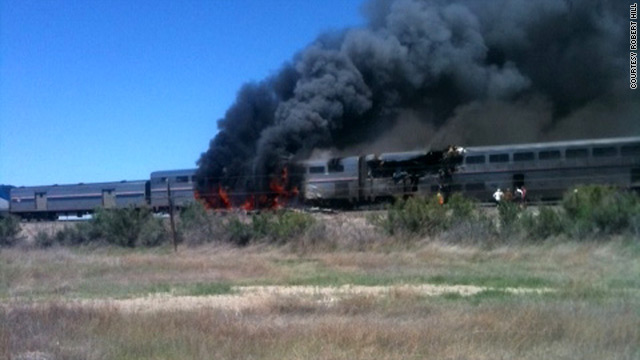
(113, 303)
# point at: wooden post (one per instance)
(173, 223)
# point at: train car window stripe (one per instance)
(523, 156)
(475, 159)
(549, 155)
(499, 158)
(630, 150)
(605, 151)
(576, 153)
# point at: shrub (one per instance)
(599, 209)
(281, 226)
(462, 208)
(127, 227)
(277, 227)
(81, 233)
(9, 230)
(414, 216)
(239, 232)
(196, 226)
(152, 233)
(508, 212)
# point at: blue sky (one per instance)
(107, 90)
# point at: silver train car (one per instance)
(180, 184)
(48, 202)
(547, 170)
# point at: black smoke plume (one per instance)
(429, 73)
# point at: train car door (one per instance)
(109, 198)
(518, 181)
(41, 201)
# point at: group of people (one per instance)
(519, 196)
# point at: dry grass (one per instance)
(360, 327)
(68, 303)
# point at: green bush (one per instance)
(462, 209)
(508, 212)
(414, 216)
(278, 227)
(152, 233)
(239, 232)
(127, 227)
(80, 234)
(594, 209)
(281, 226)
(196, 226)
(9, 230)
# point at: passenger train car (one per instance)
(177, 184)
(51, 201)
(547, 170)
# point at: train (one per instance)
(546, 169)
(51, 201)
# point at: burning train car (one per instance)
(378, 178)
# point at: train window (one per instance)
(499, 158)
(316, 170)
(576, 153)
(523, 156)
(182, 179)
(456, 187)
(474, 187)
(335, 166)
(163, 179)
(549, 155)
(605, 151)
(630, 150)
(475, 159)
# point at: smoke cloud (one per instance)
(429, 73)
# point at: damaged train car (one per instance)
(374, 178)
(547, 170)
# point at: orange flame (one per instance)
(224, 198)
(248, 204)
(278, 186)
